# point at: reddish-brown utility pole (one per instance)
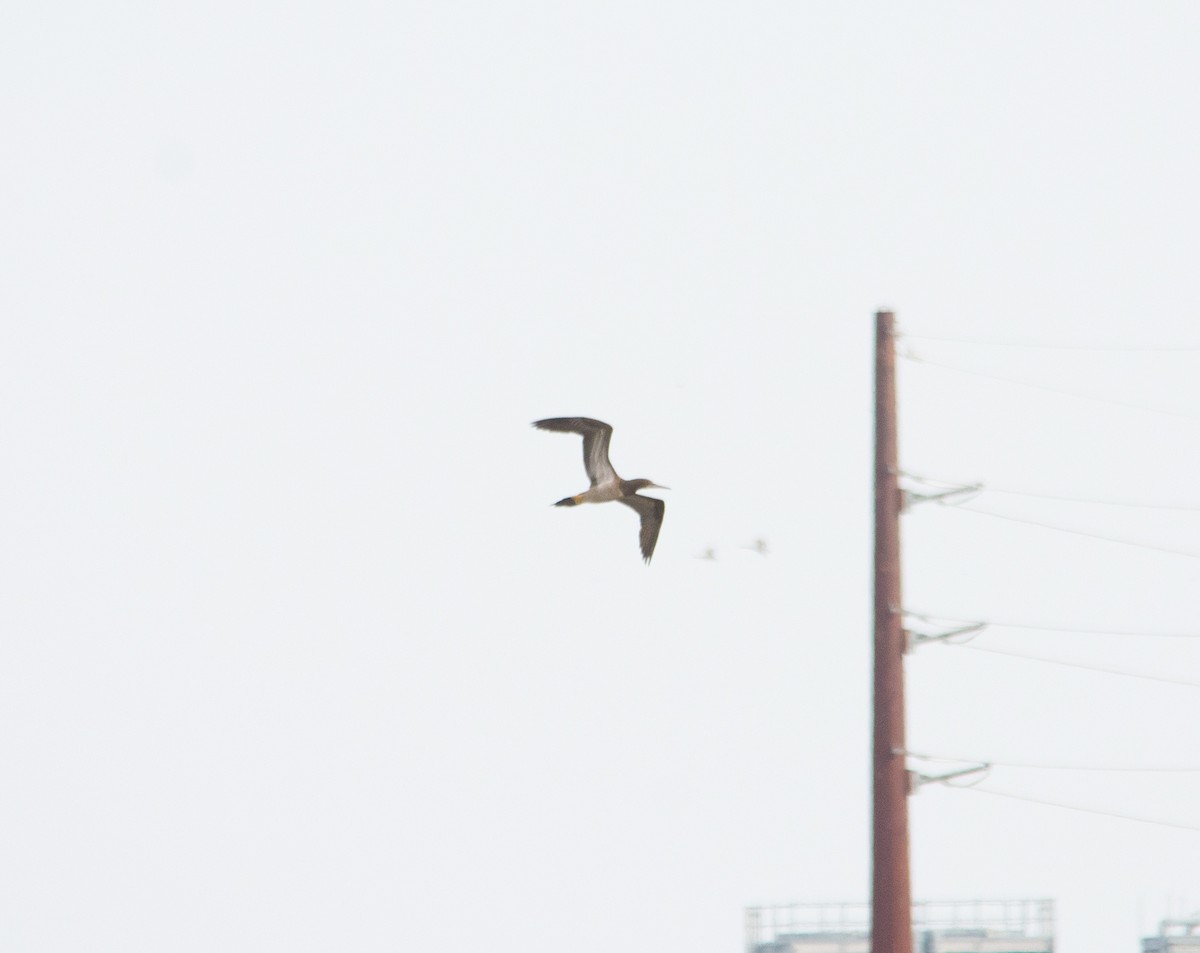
(891, 888)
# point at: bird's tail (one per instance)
(569, 501)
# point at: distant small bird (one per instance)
(606, 485)
(759, 546)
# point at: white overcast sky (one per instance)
(298, 657)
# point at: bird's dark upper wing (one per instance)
(651, 511)
(596, 434)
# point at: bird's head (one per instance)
(636, 485)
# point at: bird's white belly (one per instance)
(603, 493)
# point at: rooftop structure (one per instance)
(949, 926)
(1175, 936)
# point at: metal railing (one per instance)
(1026, 918)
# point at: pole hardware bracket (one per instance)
(915, 639)
(958, 494)
(917, 779)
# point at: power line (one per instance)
(1081, 532)
(1038, 345)
(1137, 504)
(1062, 498)
(1080, 808)
(985, 765)
(1078, 630)
(1080, 665)
(1045, 766)
(945, 499)
(1046, 387)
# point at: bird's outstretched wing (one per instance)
(595, 444)
(651, 511)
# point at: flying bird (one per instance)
(606, 485)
